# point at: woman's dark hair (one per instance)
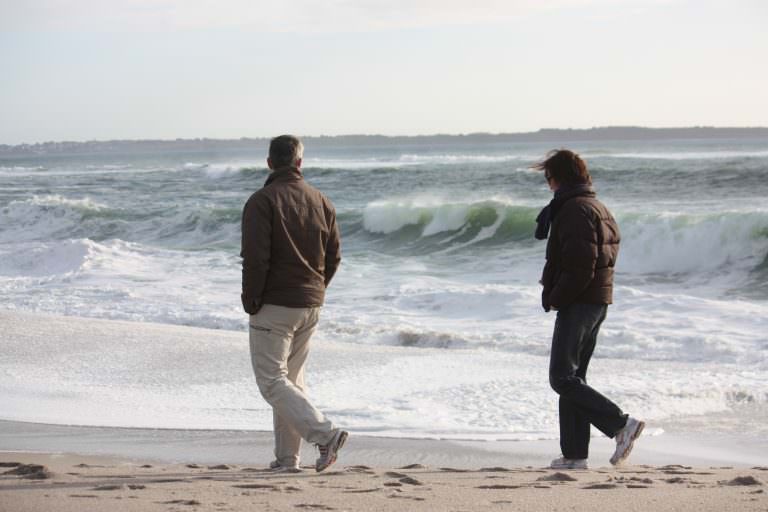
(565, 167)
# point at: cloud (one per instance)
(275, 16)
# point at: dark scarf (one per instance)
(547, 215)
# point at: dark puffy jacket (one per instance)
(290, 243)
(581, 253)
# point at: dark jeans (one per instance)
(573, 342)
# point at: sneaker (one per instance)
(328, 452)
(625, 439)
(563, 463)
(276, 467)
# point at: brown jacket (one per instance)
(581, 253)
(290, 243)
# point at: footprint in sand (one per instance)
(269, 487)
(360, 469)
(30, 471)
(410, 481)
(556, 477)
(743, 480)
(601, 486)
(108, 488)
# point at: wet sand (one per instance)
(88, 483)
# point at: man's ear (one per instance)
(298, 163)
(269, 163)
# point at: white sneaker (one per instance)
(276, 467)
(329, 452)
(563, 463)
(625, 439)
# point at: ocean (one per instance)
(433, 325)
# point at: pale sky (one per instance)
(132, 69)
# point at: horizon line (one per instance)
(379, 135)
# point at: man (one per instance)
(290, 251)
(578, 284)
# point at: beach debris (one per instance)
(136, 487)
(313, 506)
(495, 469)
(744, 480)
(392, 484)
(359, 491)
(146, 466)
(414, 466)
(761, 468)
(454, 470)
(556, 477)
(30, 471)
(677, 480)
(9, 464)
(395, 474)
(220, 466)
(180, 502)
(193, 466)
(498, 486)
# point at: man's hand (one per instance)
(250, 306)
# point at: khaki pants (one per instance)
(279, 339)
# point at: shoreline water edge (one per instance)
(733, 437)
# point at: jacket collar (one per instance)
(284, 174)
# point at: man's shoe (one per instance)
(563, 463)
(276, 467)
(328, 452)
(625, 439)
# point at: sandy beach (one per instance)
(41, 482)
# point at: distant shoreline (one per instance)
(609, 133)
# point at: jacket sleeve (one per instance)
(332, 248)
(255, 250)
(577, 236)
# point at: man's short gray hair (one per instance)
(285, 150)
